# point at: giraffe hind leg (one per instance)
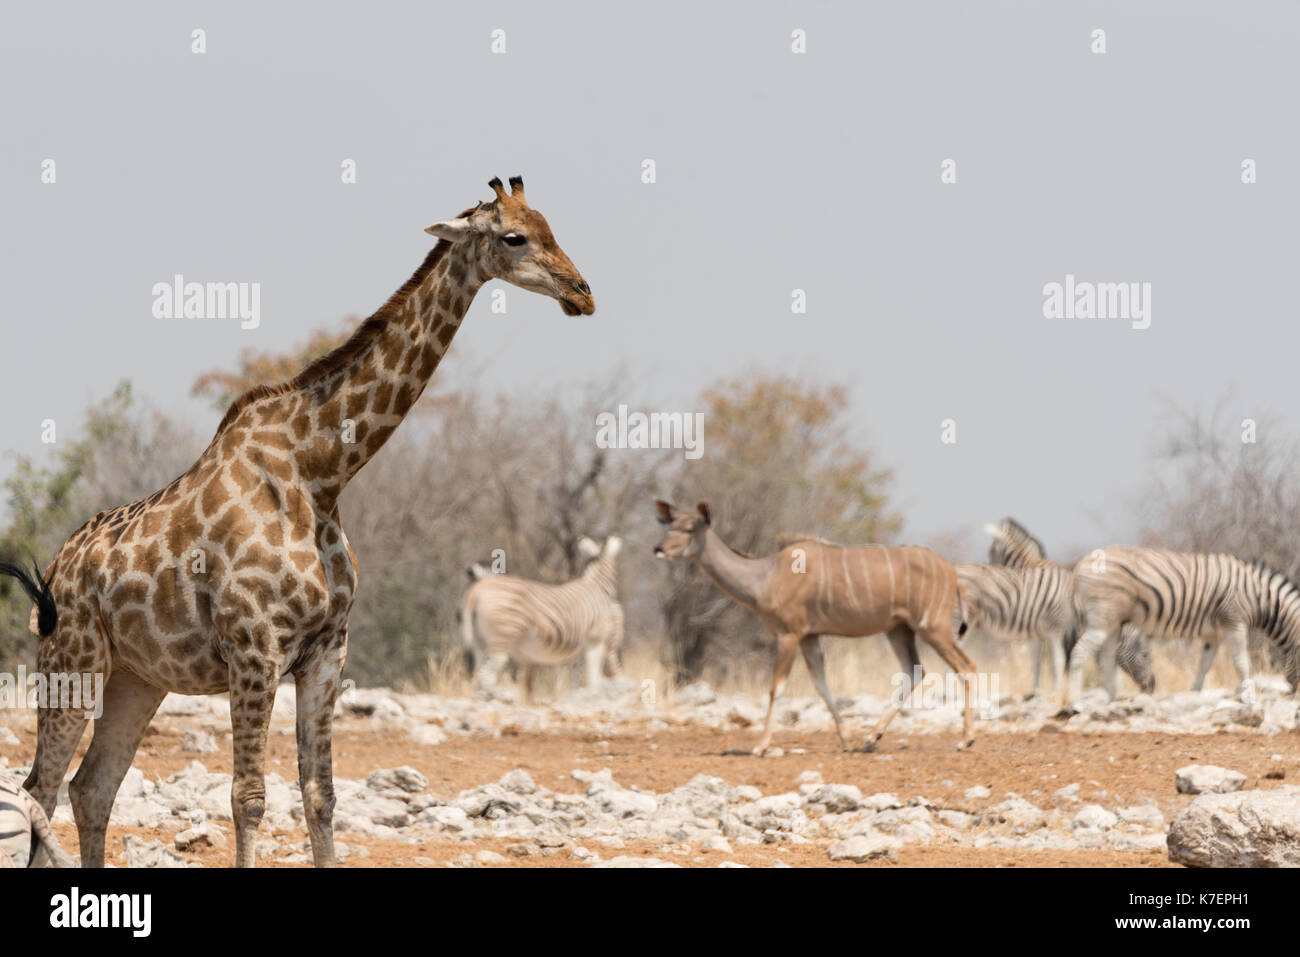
(128, 707)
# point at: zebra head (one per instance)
(1013, 545)
(684, 536)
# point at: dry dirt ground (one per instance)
(1111, 769)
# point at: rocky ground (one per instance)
(614, 778)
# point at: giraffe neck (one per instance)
(346, 416)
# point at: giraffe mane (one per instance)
(326, 365)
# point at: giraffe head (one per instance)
(512, 241)
(684, 536)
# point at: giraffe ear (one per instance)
(453, 230)
(703, 508)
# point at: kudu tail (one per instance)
(38, 590)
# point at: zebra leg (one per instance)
(129, 706)
(592, 665)
(6, 862)
(1035, 663)
(45, 838)
(527, 679)
(811, 646)
(903, 640)
(1087, 647)
(1241, 661)
(1208, 651)
(1056, 644)
(785, 649)
(1107, 664)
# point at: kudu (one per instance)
(812, 588)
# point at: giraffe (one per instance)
(238, 572)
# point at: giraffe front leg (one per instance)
(317, 682)
(252, 694)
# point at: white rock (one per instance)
(7, 735)
(519, 781)
(204, 835)
(715, 843)
(141, 853)
(199, 742)
(865, 848)
(1146, 815)
(1094, 816)
(635, 862)
(837, 798)
(428, 734)
(1207, 779)
(404, 779)
(978, 791)
(1241, 829)
(1068, 793)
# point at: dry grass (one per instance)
(853, 666)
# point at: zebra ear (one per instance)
(704, 512)
(665, 511)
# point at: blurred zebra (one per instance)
(1014, 547)
(24, 828)
(1034, 603)
(1210, 598)
(506, 618)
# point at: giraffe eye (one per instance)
(513, 239)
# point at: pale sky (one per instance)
(776, 171)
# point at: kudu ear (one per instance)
(665, 511)
(704, 512)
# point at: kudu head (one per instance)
(684, 534)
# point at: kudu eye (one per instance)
(513, 239)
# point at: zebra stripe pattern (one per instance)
(1014, 547)
(24, 828)
(504, 617)
(1207, 597)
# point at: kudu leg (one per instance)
(786, 645)
(903, 640)
(957, 659)
(811, 646)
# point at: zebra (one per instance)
(1034, 603)
(504, 618)
(1190, 595)
(1013, 546)
(24, 828)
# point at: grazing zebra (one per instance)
(505, 618)
(1014, 547)
(1201, 597)
(23, 828)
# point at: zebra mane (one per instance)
(1010, 536)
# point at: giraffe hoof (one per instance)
(1066, 713)
(867, 747)
(966, 745)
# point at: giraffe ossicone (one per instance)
(124, 597)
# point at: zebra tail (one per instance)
(41, 828)
(38, 590)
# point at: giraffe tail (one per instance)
(38, 590)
